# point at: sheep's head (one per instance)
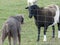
(33, 10)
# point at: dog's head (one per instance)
(19, 17)
(22, 19)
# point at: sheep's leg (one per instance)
(58, 30)
(38, 34)
(53, 27)
(45, 29)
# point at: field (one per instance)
(29, 30)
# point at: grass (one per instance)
(29, 30)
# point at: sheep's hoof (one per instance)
(44, 40)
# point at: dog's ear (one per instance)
(26, 7)
(22, 19)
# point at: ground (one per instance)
(29, 30)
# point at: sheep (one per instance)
(12, 28)
(31, 2)
(45, 17)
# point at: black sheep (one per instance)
(44, 17)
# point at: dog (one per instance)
(12, 28)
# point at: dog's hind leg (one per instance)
(4, 35)
(14, 40)
(15, 37)
(9, 38)
(19, 37)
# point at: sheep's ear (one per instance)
(26, 7)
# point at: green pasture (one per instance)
(29, 30)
